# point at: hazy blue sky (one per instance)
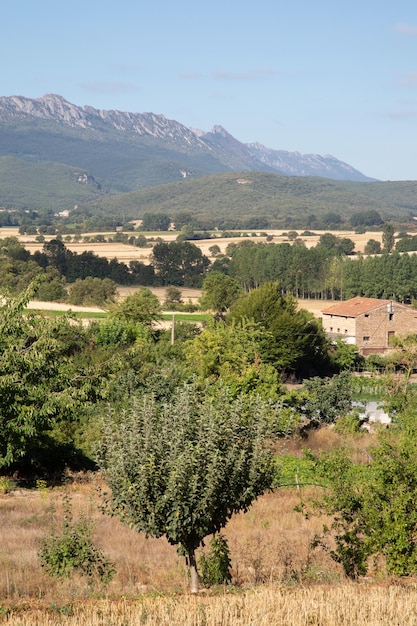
(324, 77)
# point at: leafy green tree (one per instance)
(57, 255)
(214, 250)
(372, 247)
(366, 218)
(344, 356)
(187, 232)
(182, 219)
(325, 399)
(179, 263)
(140, 307)
(114, 332)
(406, 244)
(373, 505)
(141, 274)
(11, 248)
(219, 292)
(38, 387)
(53, 288)
(296, 344)
(183, 468)
(92, 291)
(155, 221)
(331, 219)
(232, 353)
(173, 296)
(336, 245)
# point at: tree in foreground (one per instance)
(373, 505)
(181, 469)
(40, 394)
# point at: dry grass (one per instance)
(277, 578)
(353, 605)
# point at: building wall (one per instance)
(373, 330)
(340, 326)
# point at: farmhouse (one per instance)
(369, 322)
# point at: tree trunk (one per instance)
(192, 564)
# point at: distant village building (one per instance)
(369, 323)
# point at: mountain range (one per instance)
(91, 153)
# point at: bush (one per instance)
(73, 549)
(348, 424)
(115, 332)
(215, 565)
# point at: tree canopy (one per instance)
(141, 307)
(181, 469)
(179, 263)
(219, 291)
(298, 344)
(38, 386)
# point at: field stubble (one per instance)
(277, 577)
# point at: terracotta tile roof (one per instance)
(355, 306)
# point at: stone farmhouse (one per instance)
(369, 323)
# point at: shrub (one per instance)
(215, 565)
(73, 549)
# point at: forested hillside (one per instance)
(261, 200)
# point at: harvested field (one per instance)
(277, 578)
(127, 253)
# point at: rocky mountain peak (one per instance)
(224, 151)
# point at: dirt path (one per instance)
(60, 306)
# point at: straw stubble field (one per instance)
(278, 579)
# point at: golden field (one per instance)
(127, 253)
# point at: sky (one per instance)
(320, 77)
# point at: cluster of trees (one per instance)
(47, 222)
(175, 263)
(191, 425)
(322, 272)
(327, 220)
(57, 375)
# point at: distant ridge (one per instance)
(125, 151)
